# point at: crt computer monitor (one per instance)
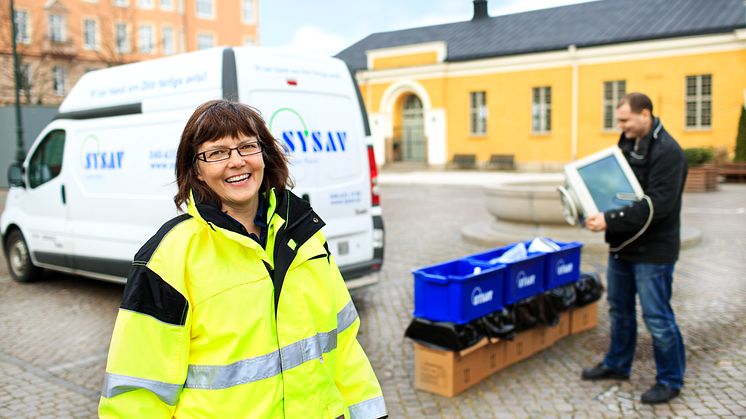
(602, 181)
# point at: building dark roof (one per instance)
(587, 24)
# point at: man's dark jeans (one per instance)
(652, 282)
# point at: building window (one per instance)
(24, 78)
(122, 38)
(204, 8)
(541, 110)
(167, 40)
(248, 11)
(56, 28)
(613, 92)
(58, 80)
(145, 39)
(699, 101)
(478, 113)
(22, 27)
(167, 5)
(120, 3)
(205, 41)
(145, 4)
(90, 34)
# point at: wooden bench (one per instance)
(501, 162)
(733, 172)
(464, 161)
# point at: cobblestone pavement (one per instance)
(54, 334)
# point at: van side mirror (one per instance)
(15, 175)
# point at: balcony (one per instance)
(59, 49)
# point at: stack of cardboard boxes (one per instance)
(449, 373)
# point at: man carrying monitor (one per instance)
(644, 246)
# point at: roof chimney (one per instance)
(480, 10)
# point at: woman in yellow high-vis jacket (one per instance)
(236, 308)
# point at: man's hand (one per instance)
(596, 222)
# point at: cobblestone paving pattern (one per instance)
(54, 334)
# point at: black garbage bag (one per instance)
(444, 335)
(588, 289)
(561, 298)
(546, 314)
(498, 324)
(526, 313)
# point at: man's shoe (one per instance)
(602, 372)
(659, 393)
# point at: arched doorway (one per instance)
(413, 130)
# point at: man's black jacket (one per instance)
(660, 166)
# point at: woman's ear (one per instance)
(198, 174)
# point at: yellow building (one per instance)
(542, 86)
(59, 40)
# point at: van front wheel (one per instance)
(19, 259)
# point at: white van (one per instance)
(99, 180)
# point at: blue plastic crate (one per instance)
(523, 279)
(562, 266)
(454, 292)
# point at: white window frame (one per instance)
(613, 92)
(53, 21)
(250, 19)
(205, 35)
(478, 113)
(149, 43)
(699, 100)
(167, 40)
(166, 6)
(541, 111)
(201, 10)
(126, 46)
(87, 34)
(58, 80)
(146, 4)
(121, 3)
(23, 26)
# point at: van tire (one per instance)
(19, 259)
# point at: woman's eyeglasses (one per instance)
(220, 154)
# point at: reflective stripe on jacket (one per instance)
(212, 325)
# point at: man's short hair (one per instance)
(637, 102)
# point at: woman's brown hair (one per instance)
(219, 119)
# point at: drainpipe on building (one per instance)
(572, 50)
(20, 152)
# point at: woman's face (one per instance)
(237, 180)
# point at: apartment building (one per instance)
(59, 40)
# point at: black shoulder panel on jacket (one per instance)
(148, 293)
(146, 251)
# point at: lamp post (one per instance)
(20, 153)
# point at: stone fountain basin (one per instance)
(535, 202)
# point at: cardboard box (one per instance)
(563, 327)
(449, 373)
(544, 337)
(494, 356)
(584, 318)
(521, 347)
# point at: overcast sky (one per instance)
(329, 26)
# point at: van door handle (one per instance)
(64, 198)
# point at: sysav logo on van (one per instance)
(93, 158)
(525, 280)
(564, 268)
(478, 297)
(289, 127)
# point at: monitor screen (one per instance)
(604, 179)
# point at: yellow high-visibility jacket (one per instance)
(212, 325)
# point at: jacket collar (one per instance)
(638, 150)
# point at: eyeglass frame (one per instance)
(230, 152)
